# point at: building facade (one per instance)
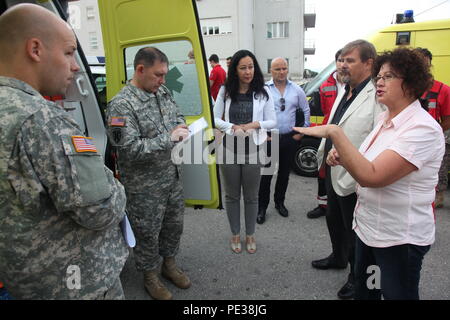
(85, 20)
(268, 28)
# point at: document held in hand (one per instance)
(127, 232)
(197, 126)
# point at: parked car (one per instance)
(304, 162)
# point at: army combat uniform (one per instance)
(60, 207)
(140, 124)
(443, 171)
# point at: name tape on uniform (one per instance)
(83, 144)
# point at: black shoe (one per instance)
(261, 217)
(282, 210)
(327, 263)
(347, 291)
(316, 212)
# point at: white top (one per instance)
(402, 213)
(263, 112)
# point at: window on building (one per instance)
(216, 26)
(90, 14)
(277, 30)
(93, 40)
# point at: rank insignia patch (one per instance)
(83, 144)
(118, 121)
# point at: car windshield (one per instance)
(99, 74)
(315, 83)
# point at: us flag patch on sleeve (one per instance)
(83, 144)
(117, 121)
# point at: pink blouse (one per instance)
(402, 213)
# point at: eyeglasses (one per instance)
(386, 78)
(282, 101)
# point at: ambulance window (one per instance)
(182, 78)
(403, 38)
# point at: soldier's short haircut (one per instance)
(148, 55)
(25, 21)
(366, 49)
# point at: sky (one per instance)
(339, 22)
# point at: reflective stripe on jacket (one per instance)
(328, 94)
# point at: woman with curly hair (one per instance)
(243, 110)
(396, 168)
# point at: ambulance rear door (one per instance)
(173, 27)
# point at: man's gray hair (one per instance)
(366, 49)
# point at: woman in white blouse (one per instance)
(244, 111)
(396, 168)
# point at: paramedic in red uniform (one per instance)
(328, 93)
(217, 76)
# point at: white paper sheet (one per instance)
(127, 232)
(197, 126)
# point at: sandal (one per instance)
(236, 244)
(251, 244)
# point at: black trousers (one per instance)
(287, 149)
(398, 271)
(321, 187)
(339, 218)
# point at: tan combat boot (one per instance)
(171, 272)
(439, 201)
(154, 287)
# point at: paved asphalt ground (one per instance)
(281, 267)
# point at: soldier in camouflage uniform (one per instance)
(60, 208)
(145, 123)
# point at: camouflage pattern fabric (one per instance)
(113, 293)
(157, 221)
(443, 171)
(59, 208)
(140, 124)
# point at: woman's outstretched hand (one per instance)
(318, 131)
